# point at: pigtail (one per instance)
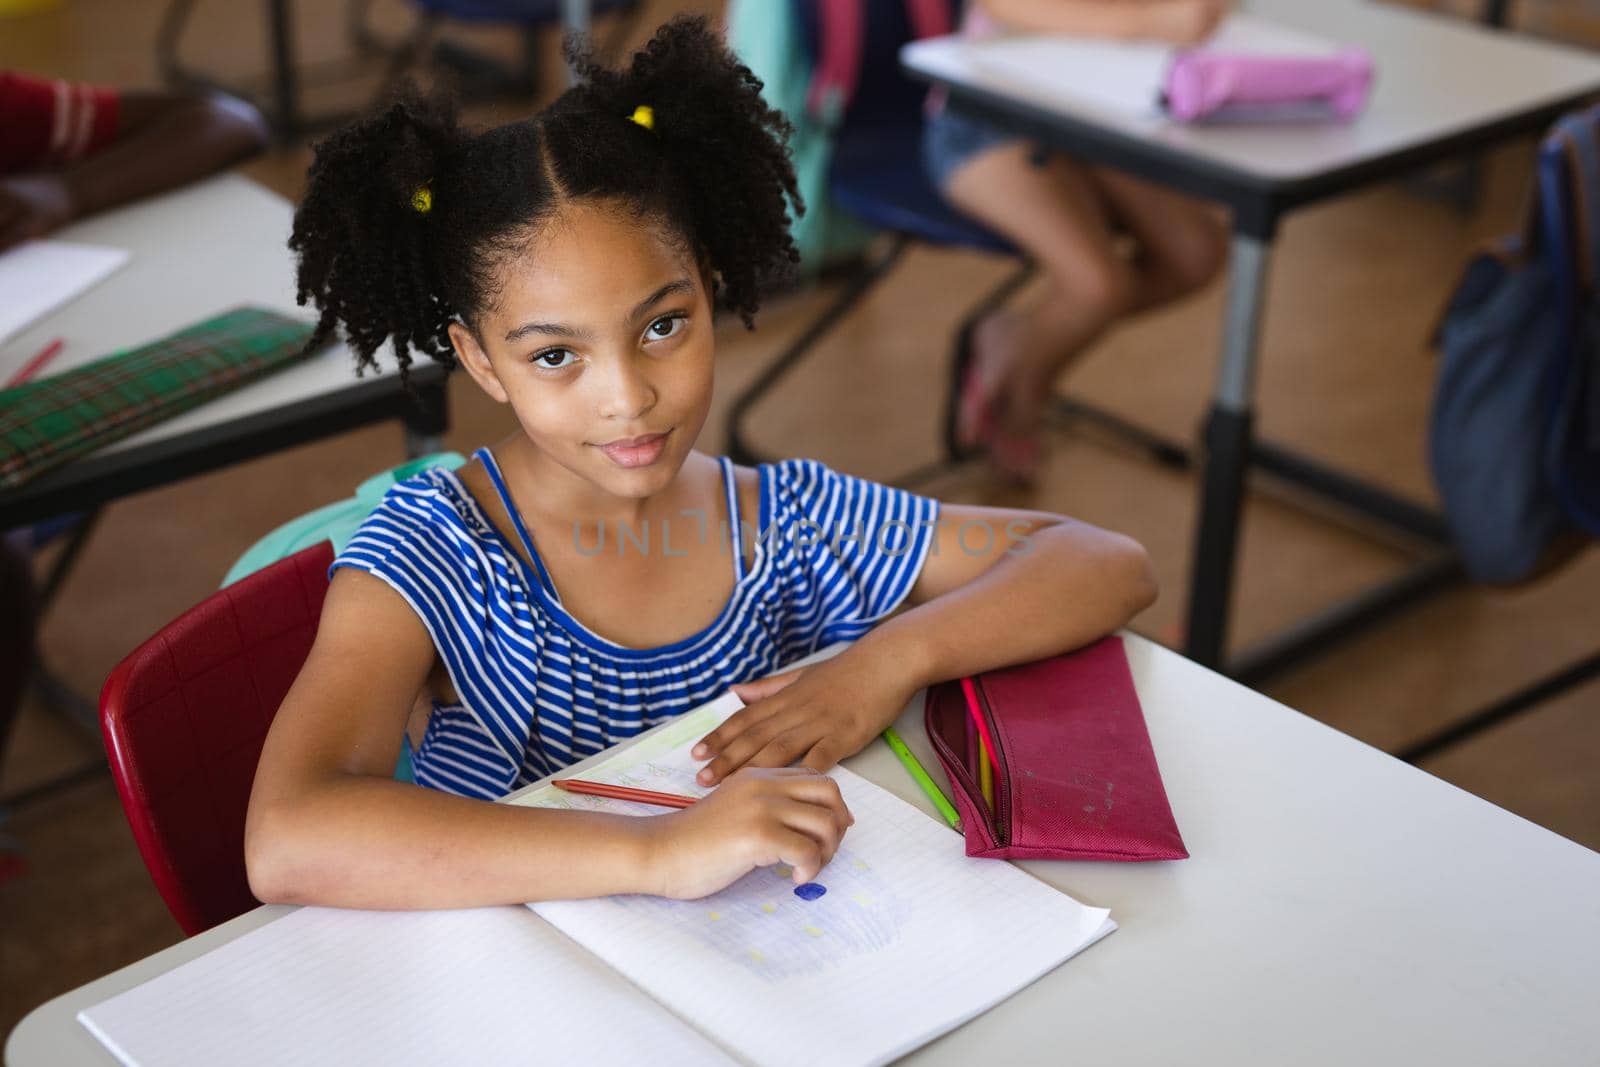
(709, 141)
(408, 220)
(375, 190)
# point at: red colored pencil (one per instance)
(622, 792)
(977, 717)
(988, 766)
(36, 364)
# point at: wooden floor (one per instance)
(1355, 287)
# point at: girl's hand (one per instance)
(818, 714)
(756, 818)
(1186, 22)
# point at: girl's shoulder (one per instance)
(800, 492)
(779, 487)
(430, 505)
(809, 484)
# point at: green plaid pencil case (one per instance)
(46, 423)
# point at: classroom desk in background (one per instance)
(1339, 907)
(282, 103)
(1444, 87)
(197, 252)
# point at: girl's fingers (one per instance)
(779, 742)
(738, 750)
(761, 688)
(755, 695)
(813, 786)
(735, 725)
(732, 727)
(735, 756)
(820, 791)
(823, 755)
(801, 852)
(781, 749)
(822, 824)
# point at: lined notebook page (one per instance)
(323, 986)
(39, 276)
(907, 938)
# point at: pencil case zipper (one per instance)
(957, 767)
(1000, 818)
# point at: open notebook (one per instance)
(39, 276)
(900, 938)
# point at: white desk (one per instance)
(1444, 87)
(1339, 907)
(197, 252)
(1438, 76)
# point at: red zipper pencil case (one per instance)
(1076, 775)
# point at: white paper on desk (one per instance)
(1125, 76)
(910, 938)
(324, 986)
(39, 276)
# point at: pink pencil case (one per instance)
(1229, 86)
(1077, 777)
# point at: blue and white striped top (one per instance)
(538, 690)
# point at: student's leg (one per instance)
(1055, 212)
(1182, 242)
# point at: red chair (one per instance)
(184, 718)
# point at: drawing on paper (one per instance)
(763, 922)
(775, 929)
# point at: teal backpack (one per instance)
(765, 35)
(774, 38)
(336, 522)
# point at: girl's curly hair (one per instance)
(714, 170)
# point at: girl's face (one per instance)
(600, 339)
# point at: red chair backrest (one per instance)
(184, 718)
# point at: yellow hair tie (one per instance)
(422, 200)
(644, 115)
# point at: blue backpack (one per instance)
(1514, 440)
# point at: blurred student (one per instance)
(1110, 245)
(68, 150)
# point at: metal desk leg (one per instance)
(1227, 454)
(427, 422)
(286, 103)
(576, 17)
(1580, 673)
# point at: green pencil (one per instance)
(920, 776)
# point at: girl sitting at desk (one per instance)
(570, 263)
(1110, 244)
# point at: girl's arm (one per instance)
(164, 140)
(1047, 584)
(328, 825)
(1178, 21)
(1000, 587)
